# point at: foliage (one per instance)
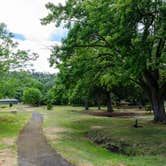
(125, 40)
(58, 93)
(10, 56)
(46, 79)
(49, 106)
(32, 96)
(14, 83)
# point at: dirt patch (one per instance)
(8, 141)
(7, 158)
(85, 164)
(55, 130)
(52, 137)
(33, 149)
(51, 133)
(115, 146)
(7, 119)
(96, 127)
(119, 165)
(115, 114)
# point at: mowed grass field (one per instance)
(69, 130)
(72, 133)
(10, 126)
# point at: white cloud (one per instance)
(23, 17)
(43, 49)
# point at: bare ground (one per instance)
(116, 114)
(33, 149)
(7, 158)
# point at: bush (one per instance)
(32, 96)
(49, 106)
(10, 104)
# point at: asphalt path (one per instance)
(32, 146)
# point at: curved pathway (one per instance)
(33, 149)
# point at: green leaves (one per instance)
(10, 56)
(32, 96)
(110, 43)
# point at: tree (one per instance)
(80, 75)
(58, 93)
(32, 96)
(15, 82)
(45, 78)
(9, 87)
(10, 56)
(129, 36)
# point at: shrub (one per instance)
(32, 96)
(10, 104)
(49, 106)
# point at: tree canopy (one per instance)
(10, 56)
(32, 96)
(126, 39)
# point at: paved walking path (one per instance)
(33, 149)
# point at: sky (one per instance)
(22, 18)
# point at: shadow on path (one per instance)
(33, 149)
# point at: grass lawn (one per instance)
(10, 126)
(67, 130)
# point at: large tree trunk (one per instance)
(109, 103)
(86, 106)
(98, 104)
(156, 94)
(158, 109)
(99, 107)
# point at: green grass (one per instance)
(10, 126)
(71, 129)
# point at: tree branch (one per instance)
(145, 87)
(151, 81)
(160, 47)
(91, 45)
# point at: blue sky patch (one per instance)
(59, 36)
(19, 36)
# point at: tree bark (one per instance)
(158, 109)
(98, 104)
(109, 103)
(86, 106)
(99, 108)
(156, 94)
